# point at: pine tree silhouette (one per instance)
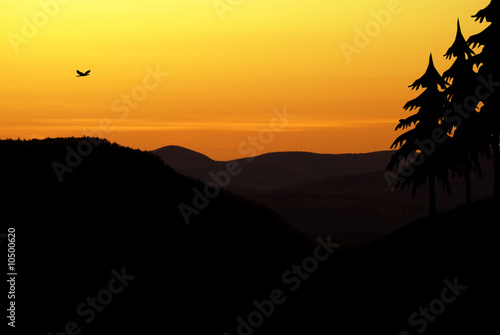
(422, 149)
(468, 139)
(489, 68)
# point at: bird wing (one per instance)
(80, 73)
(87, 72)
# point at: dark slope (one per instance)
(274, 170)
(360, 208)
(118, 209)
(375, 289)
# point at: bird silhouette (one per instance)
(81, 74)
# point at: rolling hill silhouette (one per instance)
(345, 195)
(117, 210)
(273, 170)
(389, 285)
(184, 158)
(360, 208)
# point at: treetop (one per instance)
(459, 47)
(430, 78)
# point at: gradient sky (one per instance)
(226, 75)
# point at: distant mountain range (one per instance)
(273, 171)
(345, 194)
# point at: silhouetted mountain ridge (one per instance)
(273, 171)
(360, 208)
(117, 210)
(183, 155)
(346, 195)
(118, 207)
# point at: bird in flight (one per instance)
(81, 74)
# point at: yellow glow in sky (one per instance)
(207, 74)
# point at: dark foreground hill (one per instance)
(118, 209)
(434, 276)
(106, 251)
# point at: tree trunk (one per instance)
(432, 195)
(468, 189)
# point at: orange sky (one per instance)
(230, 70)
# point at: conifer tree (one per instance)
(488, 62)
(468, 141)
(421, 156)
